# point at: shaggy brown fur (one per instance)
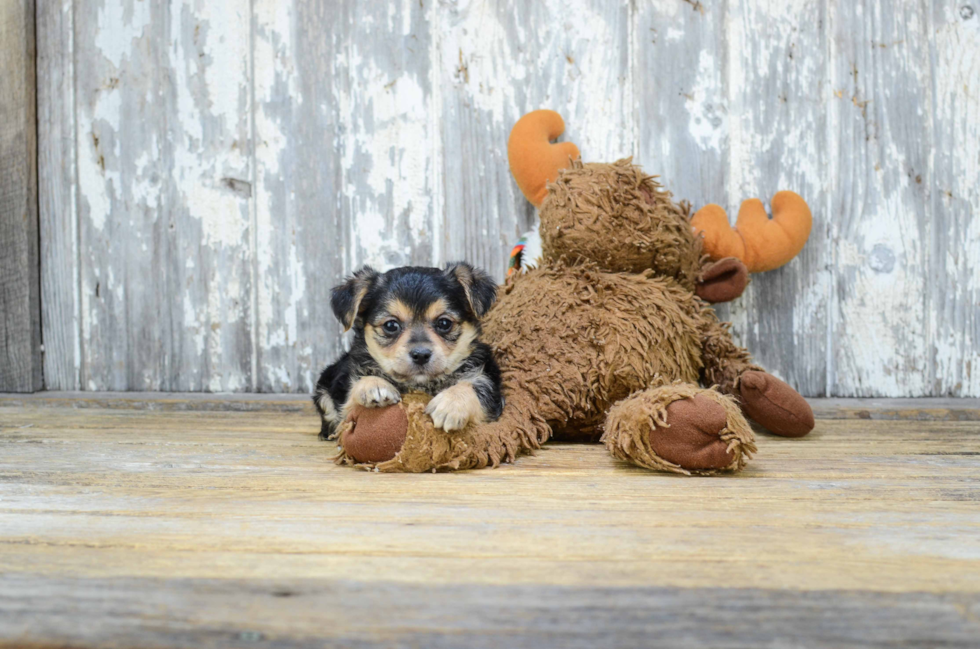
(621, 219)
(605, 334)
(577, 339)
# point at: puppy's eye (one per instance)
(443, 325)
(391, 327)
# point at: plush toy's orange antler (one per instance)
(534, 161)
(762, 244)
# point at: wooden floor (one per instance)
(130, 520)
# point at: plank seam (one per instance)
(907, 409)
(436, 111)
(634, 124)
(252, 207)
(829, 223)
(37, 204)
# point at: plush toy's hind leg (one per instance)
(724, 361)
(402, 438)
(679, 428)
(768, 400)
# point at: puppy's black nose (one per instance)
(420, 355)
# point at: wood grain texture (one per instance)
(879, 170)
(163, 164)
(953, 307)
(924, 409)
(127, 612)
(391, 188)
(249, 165)
(682, 113)
(20, 299)
(57, 194)
(300, 240)
(134, 527)
(780, 142)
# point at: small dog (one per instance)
(415, 329)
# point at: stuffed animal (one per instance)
(611, 334)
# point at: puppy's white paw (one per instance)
(455, 407)
(374, 392)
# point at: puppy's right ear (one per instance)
(481, 290)
(346, 298)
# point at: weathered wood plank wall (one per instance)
(20, 294)
(210, 169)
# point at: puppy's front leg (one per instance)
(372, 392)
(455, 407)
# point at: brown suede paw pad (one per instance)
(692, 438)
(772, 403)
(376, 434)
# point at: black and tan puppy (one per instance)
(415, 330)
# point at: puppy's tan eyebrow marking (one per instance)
(397, 309)
(436, 309)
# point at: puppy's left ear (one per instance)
(481, 290)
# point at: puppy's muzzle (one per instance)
(420, 355)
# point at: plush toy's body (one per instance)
(610, 335)
(597, 339)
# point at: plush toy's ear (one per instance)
(722, 281)
(346, 298)
(481, 290)
(534, 160)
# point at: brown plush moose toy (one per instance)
(612, 334)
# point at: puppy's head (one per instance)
(417, 323)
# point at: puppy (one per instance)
(415, 329)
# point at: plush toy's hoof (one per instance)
(679, 428)
(691, 439)
(772, 403)
(402, 439)
(375, 434)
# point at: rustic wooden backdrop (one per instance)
(20, 311)
(209, 168)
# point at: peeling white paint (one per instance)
(880, 327)
(955, 316)
(277, 303)
(214, 93)
(708, 122)
(273, 51)
(99, 180)
(220, 212)
(194, 323)
(482, 61)
(388, 145)
(119, 25)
